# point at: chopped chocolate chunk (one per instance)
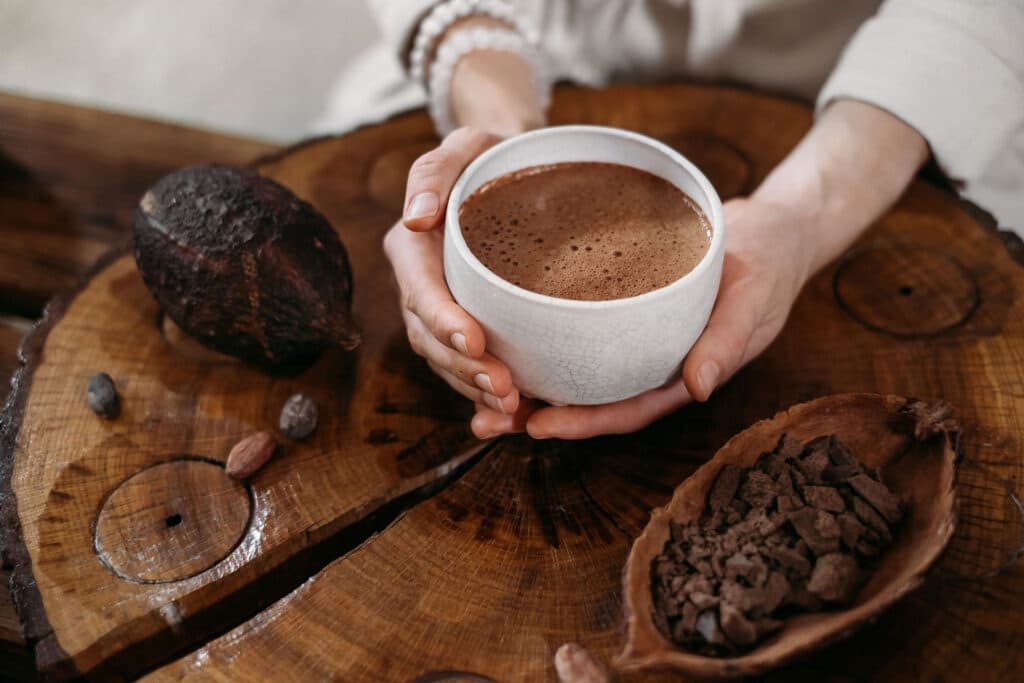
(824, 498)
(739, 506)
(775, 590)
(790, 559)
(784, 484)
(786, 504)
(707, 626)
(850, 530)
(751, 569)
(687, 622)
(759, 522)
(842, 463)
(871, 519)
(663, 569)
(835, 578)
(866, 548)
(787, 533)
(814, 463)
(758, 490)
(704, 601)
(789, 447)
(724, 488)
(731, 539)
(817, 528)
(880, 497)
(699, 584)
(718, 565)
(737, 627)
(748, 600)
(826, 525)
(798, 477)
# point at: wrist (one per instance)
(851, 167)
(495, 91)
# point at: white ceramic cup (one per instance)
(571, 352)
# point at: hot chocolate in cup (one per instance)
(583, 352)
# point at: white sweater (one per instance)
(952, 69)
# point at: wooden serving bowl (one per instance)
(913, 444)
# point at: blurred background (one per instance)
(261, 68)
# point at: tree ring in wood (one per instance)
(171, 521)
(905, 290)
(726, 166)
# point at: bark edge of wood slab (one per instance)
(915, 451)
(13, 552)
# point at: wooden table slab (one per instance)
(69, 180)
(484, 558)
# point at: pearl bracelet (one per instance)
(447, 13)
(458, 45)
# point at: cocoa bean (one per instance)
(102, 397)
(250, 454)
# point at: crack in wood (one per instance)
(145, 656)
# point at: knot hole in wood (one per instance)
(905, 290)
(171, 521)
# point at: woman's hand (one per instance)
(450, 340)
(850, 167)
(492, 94)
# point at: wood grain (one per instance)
(70, 177)
(491, 575)
(69, 467)
(524, 551)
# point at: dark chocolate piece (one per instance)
(880, 497)
(835, 578)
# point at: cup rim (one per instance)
(698, 271)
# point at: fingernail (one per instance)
(494, 403)
(483, 380)
(708, 377)
(423, 205)
(459, 342)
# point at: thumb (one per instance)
(433, 175)
(722, 348)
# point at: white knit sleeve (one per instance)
(398, 21)
(952, 69)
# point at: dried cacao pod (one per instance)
(245, 266)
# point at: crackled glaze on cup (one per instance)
(571, 352)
